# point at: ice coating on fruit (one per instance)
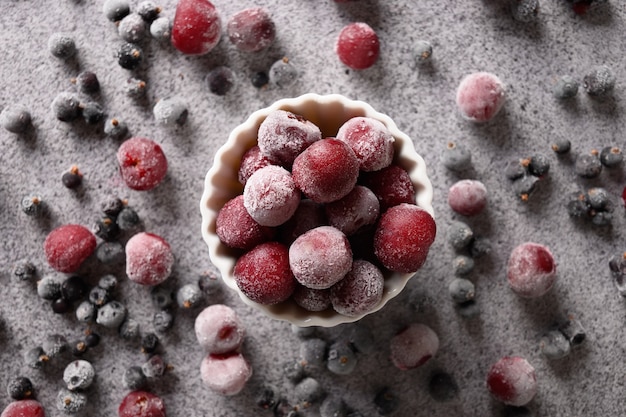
(24, 408)
(311, 299)
(141, 404)
(359, 291)
(467, 197)
(271, 196)
(391, 185)
(326, 171)
(531, 270)
(480, 96)
(357, 46)
(320, 257)
(68, 246)
(512, 380)
(251, 30)
(263, 274)
(308, 215)
(218, 329)
(357, 209)
(403, 237)
(149, 259)
(236, 229)
(413, 346)
(283, 135)
(370, 140)
(196, 28)
(226, 374)
(142, 163)
(251, 161)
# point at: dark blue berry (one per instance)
(15, 119)
(554, 345)
(598, 198)
(220, 80)
(266, 398)
(127, 219)
(386, 401)
(601, 218)
(61, 46)
(116, 10)
(282, 73)
(70, 402)
(573, 331)
(565, 87)
(611, 156)
(99, 296)
(461, 290)
(111, 206)
(171, 111)
(132, 28)
(313, 353)
(161, 297)
(561, 146)
(578, 204)
(79, 348)
(341, 359)
(479, 246)
(189, 296)
(61, 306)
(24, 270)
(93, 113)
(115, 128)
(539, 165)
(442, 387)
(129, 329)
(148, 11)
(86, 312)
(462, 265)
(161, 29)
(110, 253)
(308, 391)
(154, 367)
(149, 343)
(260, 79)
(525, 186)
(49, 287)
(162, 321)
(32, 205)
(134, 378)
(456, 157)
(422, 51)
(135, 88)
(516, 169)
(87, 82)
(108, 282)
(20, 388)
(66, 107)
(129, 56)
(588, 165)
(73, 178)
(106, 228)
(36, 358)
(460, 234)
(599, 82)
(73, 288)
(111, 315)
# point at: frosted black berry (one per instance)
(161, 297)
(386, 401)
(456, 157)
(106, 228)
(129, 329)
(92, 339)
(461, 290)
(588, 165)
(422, 51)
(15, 119)
(149, 343)
(525, 186)
(516, 168)
(61, 306)
(308, 391)
(266, 398)
(260, 79)
(127, 219)
(61, 46)
(66, 107)
(220, 80)
(49, 287)
(73, 178)
(442, 387)
(148, 10)
(283, 73)
(554, 345)
(189, 296)
(154, 367)
(111, 205)
(134, 379)
(132, 28)
(20, 388)
(93, 113)
(573, 331)
(539, 165)
(460, 234)
(480, 246)
(171, 111)
(32, 205)
(24, 270)
(108, 282)
(561, 146)
(70, 402)
(161, 29)
(115, 128)
(73, 288)
(86, 312)
(87, 82)
(524, 10)
(611, 156)
(129, 56)
(35, 358)
(110, 253)
(99, 296)
(111, 315)
(162, 321)
(79, 348)
(313, 353)
(462, 265)
(78, 375)
(135, 88)
(599, 199)
(341, 359)
(578, 204)
(599, 82)
(115, 10)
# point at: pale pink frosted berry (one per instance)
(225, 374)
(68, 246)
(359, 291)
(271, 196)
(512, 380)
(149, 259)
(320, 257)
(357, 209)
(467, 197)
(236, 229)
(311, 299)
(370, 140)
(480, 96)
(197, 27)
(358, 46)
(531, 270)
(219, 329)
(251, 30)
(413, 346)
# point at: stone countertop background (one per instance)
(467, 36)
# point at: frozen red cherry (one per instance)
(531, 270)
(391, 185)
(326, 171)
(480, 96)
(24, 408)
(413, 346)
(251, 30)
(370, 140)
(357, 209)
(403, 237)
(283, 135)
(219, 329)
(512, 380)
(142, 163)
(357, 46)
(320, 257)
(311, 299)
(236, 229)
(251, 161)
(67, 247)
(467, 197)
(196, 28)
(141, 404)
(263, 273)
(225, 374)
(149, 259)
(270, 196)
(359, 291)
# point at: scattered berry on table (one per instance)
(460, 234)
(79, 348)
(129, 55)
(154, 367)
(517, 168)
(524, 10)
(260, 79)
(333, 406)
(129, 329)
(132, 28)
(115, 10)
(161, 297)
(219, 329)
(93, 113)
(197, 27)
(99, 296)
(35, 357)
(141, 404)
(32, 205)
(573, 331)
(357, 46)
(110, 253)
(461, 290)
(78, 375)
(341, 359)
(128, 219)
(111, 205)
(467, 197)
(161, 29)
(15, 119)
(531, 270)
(599, 198)
(61, 306)
(148, 10)
(73, 288)
(111, 315)
(220, 80)
(87, 82)
(617, 265)
(108, 282)
(538, 165)
(512, 380)
(359, 291)
(266, 398)
(480, 96)
(86, 312)
(588, 165)
(106, 228)
(456, 157)
(134, 378)
(611, 156)
(462, 265)
(170, 111)
(251, 29)
(24, 408)
(115, 128)
(72, 178)
(61, 46)
(422, 51)
(413, 346)
(92, 339)
(386, 401)
(49, 286)
(66, 106)
(480, 246)
(599, 82)
(307, 392)
(554, 345)
(565, 87)
(20, 388)
(149, 343)
(283, 73)
(142, 163)
(135, 88)
(149, 259)
(313, 354)
(67, 246)
(225, 374)
(189, 296)
(24, 270)
(561, 146)
(270, 197)
(162, 321)
(370, 140)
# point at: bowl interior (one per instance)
(221, 184)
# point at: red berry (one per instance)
(359, 291)
(403, 237)
(66, 247)
(358, 46)
(531, 270)
(141, 404)
(326, 171)
(308, 215)
(251, 30)
(413, 346)
(357, 209)
(512, 380)
(219, 329)
(196, 28)
(149, 259)
(467, 197)
(271, 196)
(263, 273)
(480, 96)
(391, 185)
(237, 229)
(24, 408)
(370, 140)
(311, 299)
(142, 163)
(251, 161)
(226, 374)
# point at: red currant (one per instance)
(358, 46)
(66, 247)
(196, 28)
(142, 163)
(512, 380)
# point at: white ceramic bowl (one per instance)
(328, 112)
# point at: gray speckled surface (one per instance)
(467, 36)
